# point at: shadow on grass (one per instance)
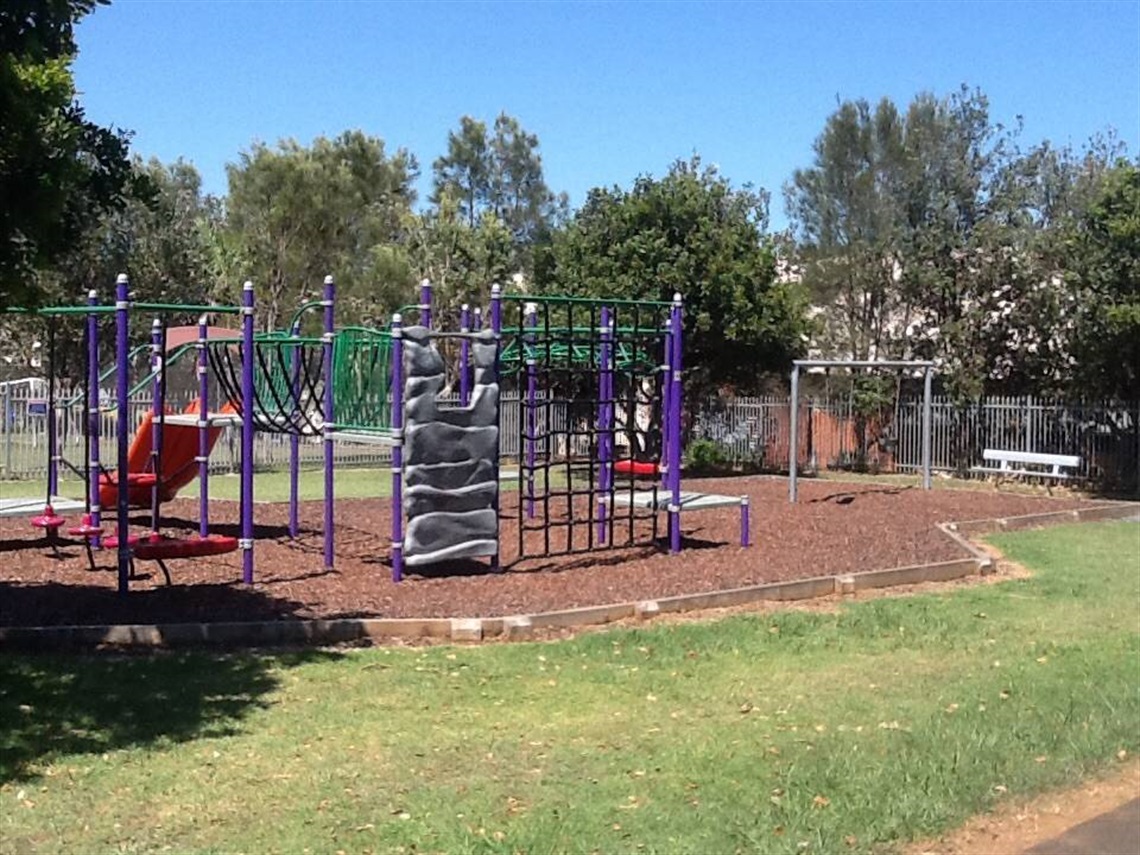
(58, 705)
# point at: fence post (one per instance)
(8, 414)
(793, 434)
(927, 388)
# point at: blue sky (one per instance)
(613, 90)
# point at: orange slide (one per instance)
(179, 468)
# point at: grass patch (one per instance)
(892, 720)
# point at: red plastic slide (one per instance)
(179, 448)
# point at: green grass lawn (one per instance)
(788, 732)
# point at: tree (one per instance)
(460, 260)
(1107, 262)
(58, 171)
(160, 237)
(847, 210)
(296, 214)
(693, 233)
(499, 174)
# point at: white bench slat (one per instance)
(1055, 462)
(1040, 459)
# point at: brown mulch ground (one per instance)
(835, 528)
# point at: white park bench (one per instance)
(1006, 460)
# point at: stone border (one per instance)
(514, 627)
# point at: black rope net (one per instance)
(569, 500)
(289, 382)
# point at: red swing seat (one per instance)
(49, 521)
(636, 467)
(163, 548)
(85, 529)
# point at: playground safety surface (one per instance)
(836, 528)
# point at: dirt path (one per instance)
(1017, 827)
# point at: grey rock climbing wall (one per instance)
(451, 456)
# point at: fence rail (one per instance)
(753, 432)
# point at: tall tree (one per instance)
(690, 232)
(498, 172)
(160, 237)
(58, 171)
(1106, 247)
(296, 214)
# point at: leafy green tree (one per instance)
(848, 212)
(690, 232)
(58, 171)
(1107, 250)
(460, 260)
(159, 236)
(498, 172)
(295, 214)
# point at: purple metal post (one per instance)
(52, 422)
(477, 320)
(295, 441)
(497, 329)
(675, 396)
(158, 413)
(425, 303)
(531, 381)
(93, 413)
(329, 304)
(603, 421)
(666, 411)
(203, 429)
(122, 359)
(397, 397)
(247, 405)
(464, 355)
(745, 538)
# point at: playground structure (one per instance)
(139, 474)
(602, 475)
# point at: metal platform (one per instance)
(191, 420)
(690, 501)
(31, 507)
(361, 437)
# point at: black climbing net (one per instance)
(556, 361)
(289, 381)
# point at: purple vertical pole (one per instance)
(247, 405)
(295, 441)
(675, 396)
(122, 360)
(477, 320)
(93, 412)
(464, 355)
(397, 398)
(531, 381)
(497, 328)
(328, 302)
(203, 430)
(52, 424)
(666, 411)
(603, 421)
(425, 303)
(157, 413)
